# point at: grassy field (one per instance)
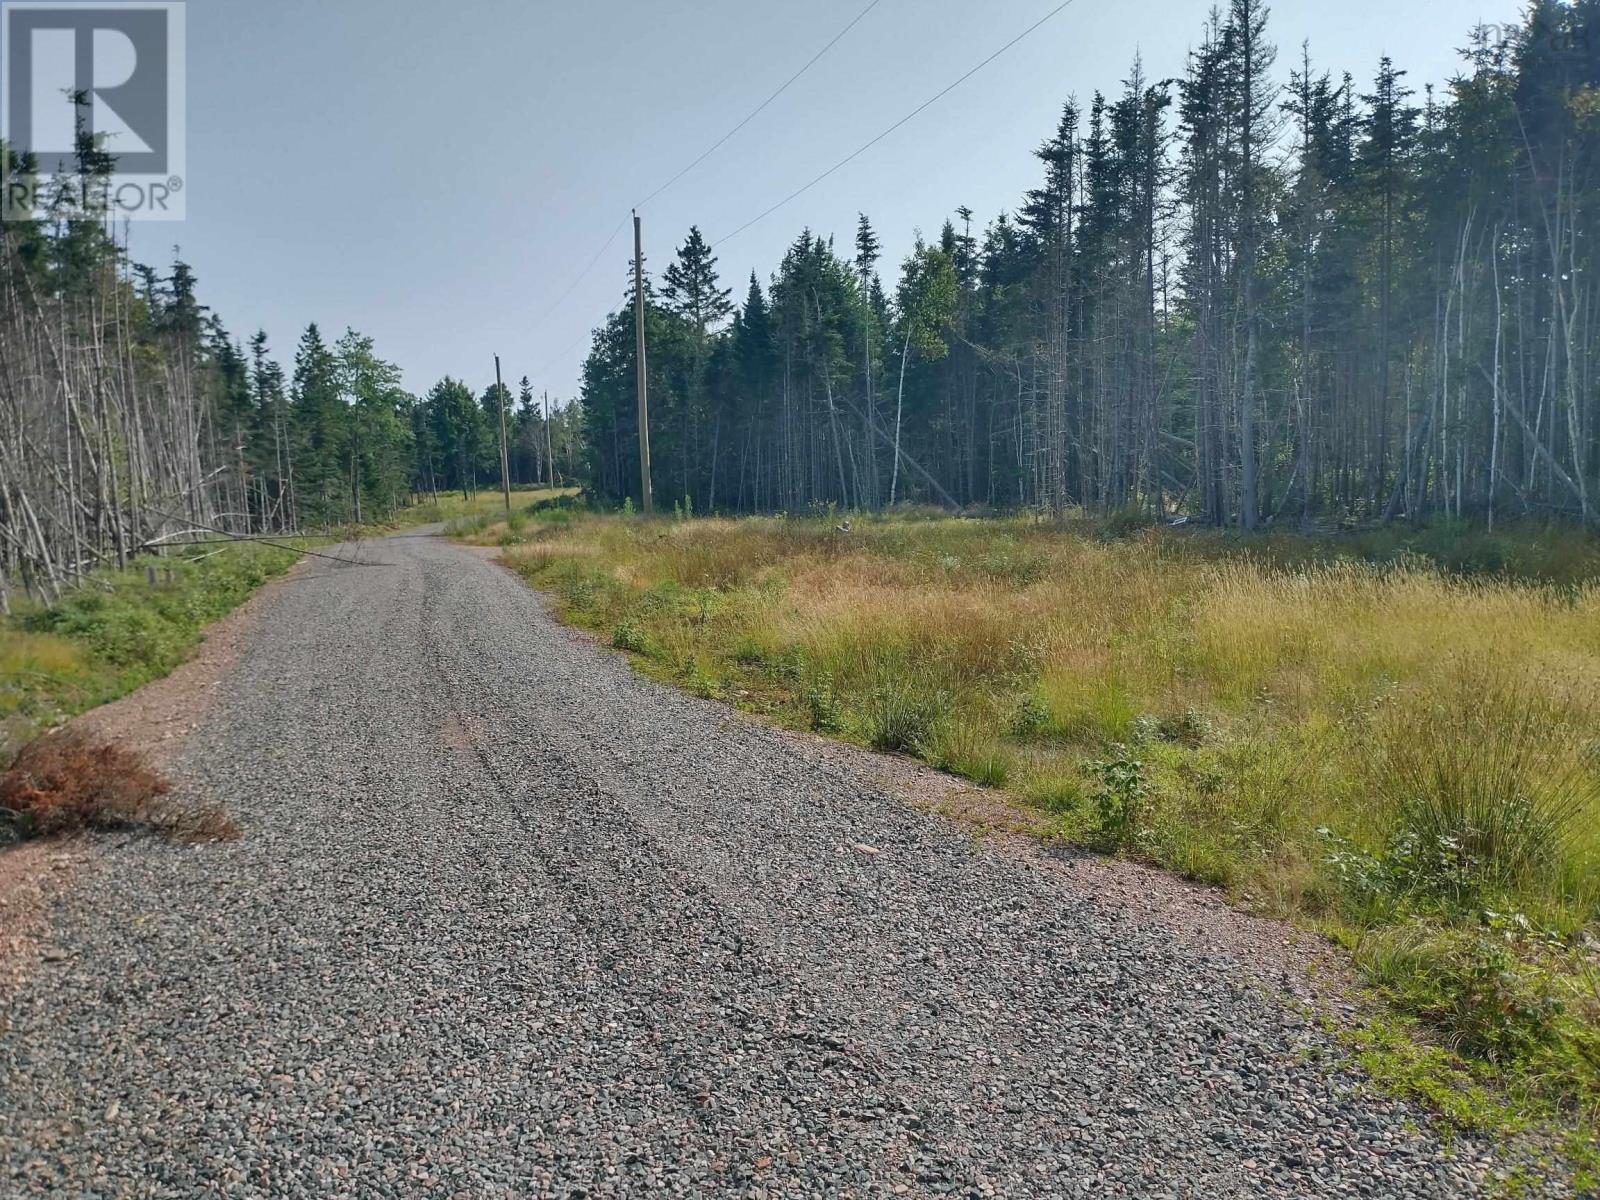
(1395, 739)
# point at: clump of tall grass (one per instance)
(969, 748)
(898, 715)
(1485, 787)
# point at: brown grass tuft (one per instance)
(66, 783)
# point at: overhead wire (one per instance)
(755, 112)
(843, 162)
(705, 154)
(865, 146)
(583, 274)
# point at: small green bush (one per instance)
(629, 635)
(1031, 718)
(1500, 1008)
(1190, 728)
(1121, 797)
(827, 716)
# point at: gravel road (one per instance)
(508, 920)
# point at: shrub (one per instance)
(826, 714)
(1121, 797)
(1190, 728)
(1500, 1008)
(629, 635)
(1031, 718)
(1473, 985)
(1145, 727)
(66, 783)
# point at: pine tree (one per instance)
(320, 429)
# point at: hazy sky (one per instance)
(436, 175)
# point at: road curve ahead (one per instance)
(508, 920)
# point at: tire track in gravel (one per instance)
(508, 920)
(598, 860)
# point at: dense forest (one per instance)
(1258, 292)
(129, 418)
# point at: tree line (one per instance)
(130, 419)
(1242, 295)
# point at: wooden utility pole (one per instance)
(549, 443)
(505, 459)
(644, 390)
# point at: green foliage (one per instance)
(927, 298)
(1121, 797)
(827, 714)
(630, 636)
(149, 628)
(1191, 728)
(118, 632)
(1031, 718)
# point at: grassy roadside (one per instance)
(106, 639)
(109, 638)
(1396, 741)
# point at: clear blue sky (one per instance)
(437, 174)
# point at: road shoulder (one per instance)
(151, 720)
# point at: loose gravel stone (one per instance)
(508, 920)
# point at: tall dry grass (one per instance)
(1362, 745)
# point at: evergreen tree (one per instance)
(1322, 306)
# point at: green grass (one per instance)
(1392, 737)
(485, 522)
(118, 632)
(481, 510)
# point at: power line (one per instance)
(571, 287)
(755, 112)
(712, 149)
(862, 149)
(845, 161)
